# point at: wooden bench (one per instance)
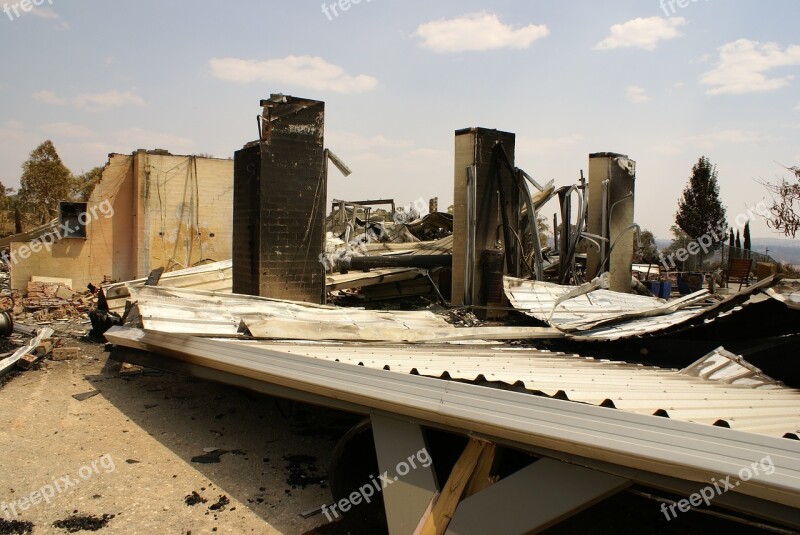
(739, 271)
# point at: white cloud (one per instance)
(108, 100)
(309, 72)
(49, 97)
(93, 101)
(68, 130)
(797, 108)
(477, 31)
(743, 66)
(644, 33)
(711, 140)
(730, 136)
(636, 94)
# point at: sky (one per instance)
(663, 82)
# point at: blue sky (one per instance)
(663, 83)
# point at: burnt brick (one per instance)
(279, 207)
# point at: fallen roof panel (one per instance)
(181, 310)
(214, 277)
(724, 366)
(592, 314)
(660, 445)
(625, 386)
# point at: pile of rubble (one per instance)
(51, 301)
(34, 344)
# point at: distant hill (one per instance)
(784, 250)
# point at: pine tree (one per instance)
(700, 210)
(731, 244)
(747, 243)
(738, 241)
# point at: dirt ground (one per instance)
(127, 452)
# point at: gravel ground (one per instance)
(122, 459)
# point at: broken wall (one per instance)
(155, 207)
(183, 211)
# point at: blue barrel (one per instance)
(665, 289)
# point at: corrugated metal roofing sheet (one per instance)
(726, 367)
(768, 409)
(597, 314)
(213, 277)
(698, 394)
(664, 446)
(181, 310)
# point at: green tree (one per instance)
(544, 231)
(83, 185)
(738, 241)
(5, 206)
(747, 243)
(700, 210)
(679, 241)
(647, 252)
(45, 181)
(732, 243)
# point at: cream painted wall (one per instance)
(169, 211)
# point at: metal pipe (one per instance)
(621, 234)
(530, 179)
(604, 224)
(362, 263)
(509, 245)
(538, 260)
(586, 237)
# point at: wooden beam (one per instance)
(447, 501)
(482, 477)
